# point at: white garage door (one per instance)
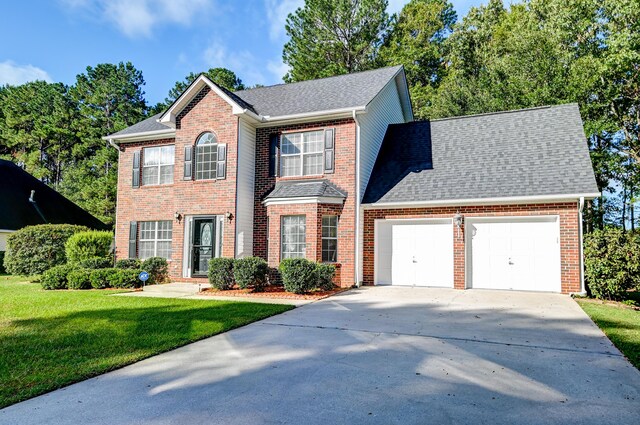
(414, 252)
(516, 253)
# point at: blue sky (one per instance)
(55, 40)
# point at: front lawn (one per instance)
(620, 324)
(49, 339)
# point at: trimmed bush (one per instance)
(86, 245)
(96, 263)
(2, 270)
(221, 273)
(79, 279)
(251, 271)
(56, 277)
(298, 275)
(100, 278)
(158, 270)
(34, 249)
(129, 263)
(124, 278)
(612, 263)
(325, 274)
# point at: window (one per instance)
(206, 157)
(301, 154)
(155, 239)
(330, 238)
(157, 167)
(294, 240)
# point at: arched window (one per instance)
(206, 156)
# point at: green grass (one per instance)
(49, 339)
(621, 325)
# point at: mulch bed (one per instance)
(271, 292)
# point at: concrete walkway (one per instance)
(374, 356)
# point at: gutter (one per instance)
(358, 202)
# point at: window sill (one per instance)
(310, 177)
(155, 186)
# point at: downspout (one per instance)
(583, 289)
(358, 281)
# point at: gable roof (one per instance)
(525, 153)
(16, 211)
(339, 94)
(305, 189)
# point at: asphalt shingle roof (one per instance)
(150, 124)
(17, 212)
(305, 189)
(529, 152)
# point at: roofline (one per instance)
(142, 135)
(537, 199)
(304, 200)
(331, 113)
(511, 111)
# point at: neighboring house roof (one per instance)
(523, 153)
(16, 211)
(289, 189)
(342, 93)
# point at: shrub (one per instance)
(129, 263)
(100, 278)
(298, 275)
(2, 269)
(86, 245)
(324, 275)
(34, 249)
(124, 278)
(96, 263)
(56, 276)
(158, 270)
(611, 259)
(221, 273)
(79, 279)
(251, 271)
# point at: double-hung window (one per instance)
(330, 238)
(157, 165)
(155, 239)
(302, 153)
(294, 239)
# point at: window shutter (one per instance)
(274, 155)
(135, 178)
(329, 151)
(133, 239)
(188, 163)
(222, 162)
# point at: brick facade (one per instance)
(569, 235)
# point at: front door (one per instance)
(202, 245)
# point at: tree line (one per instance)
(533, 53)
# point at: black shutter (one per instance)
(188, 163)
(274, 155)
(135, 178)
(221, 166)
(329, 151)
(133, 239)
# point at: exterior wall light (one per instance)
(228, 216)
(177, 216)
(458, 220)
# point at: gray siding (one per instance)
(246, 184)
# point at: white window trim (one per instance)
(214, 147)
(304, 253)
(332, 238)
(159, 166)
(155, 239)
(301, 154)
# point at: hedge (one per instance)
(79, 279)
(251, 272)
(298, 275)
(34, 249)
(158, 270)
(96, 263)
(129, 263)
(2, 269)
(221, 273)
(124, 278)
(86, 245)
(100, 278)
(324, 275)
(56, 277)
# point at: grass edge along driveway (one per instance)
(51, 339)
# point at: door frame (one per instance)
(468, 244)
(376, 233)
(188, 234)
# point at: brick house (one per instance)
(336, 170)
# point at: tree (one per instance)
(333, 37)
(221, 76)
(416, 40)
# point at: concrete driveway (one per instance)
(379, 355)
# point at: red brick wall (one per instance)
(569, 235)
(268, 247)
(206, 112)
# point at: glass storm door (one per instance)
(202, 242)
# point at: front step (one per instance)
(180, 288)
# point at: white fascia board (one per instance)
(142, 136)
(302, 200)
(316, 115)
(483, 201)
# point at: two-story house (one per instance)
(336, 170)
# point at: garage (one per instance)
(414, 252)
(517, 253)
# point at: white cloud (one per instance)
(278, 69)
(277, 12)
(14, 74)
(136, 18)
(242, 62)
